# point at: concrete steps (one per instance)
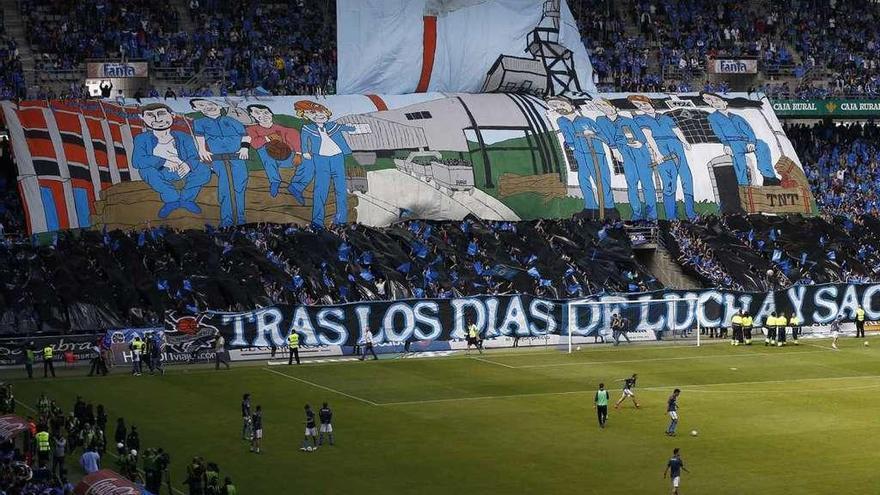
(666, 269)
(14, 25)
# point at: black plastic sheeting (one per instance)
(89, 281)
(800, 250)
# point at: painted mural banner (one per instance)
(834, 108)
(188, 163)
(648, 314)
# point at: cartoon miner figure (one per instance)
(323, 151)
(278, 146)
(629, 145)
(164, 158)
(579, 135)
(670, 144)
(222, 142)
(739, 139)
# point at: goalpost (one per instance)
(678, 315)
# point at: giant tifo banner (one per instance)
(524, 316)
(468, 46)
(187, 163)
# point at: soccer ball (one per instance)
(694, 433)
(579, 347)
(866, 343)
(309, 449)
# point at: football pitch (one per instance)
(796, 420)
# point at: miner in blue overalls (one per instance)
(579, 136)
(223, 143)
(669, 144)
(738, 139)
(323, 150)
(629, 145)
(165, 157)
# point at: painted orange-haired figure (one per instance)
(323, 151)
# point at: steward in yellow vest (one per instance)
(747, 322)
(795, 325)
(736, 335)
(293, 348)
(860, 322)
(47, 361)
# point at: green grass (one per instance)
(793, 420)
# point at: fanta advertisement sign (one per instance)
(107, 70)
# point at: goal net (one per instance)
(589, 321)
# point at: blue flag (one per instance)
(534, 272)
(405, 267)
(142, 239)
(162, 284)
(544, 282)
(298, 281)
(366, 275)
(419, 249)
(573, 289)
(366, 258)
(472, 248)
(478, 268)
(772, 234)
(418, 292)
(832, 255)
(187, 285)
(777, 255)
(803, 258)
(344, 252)
(505, 272)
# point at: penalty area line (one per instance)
(493, 362)
(678, 358)
(684, 387)
(323, 387)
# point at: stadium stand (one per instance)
(67, 284)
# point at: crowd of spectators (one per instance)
(284, 48)
(82, 436)
(842, 164)
(696, 254)
(64, 33)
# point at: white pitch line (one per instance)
(317, 385)
(493, 362)
(821, 346)
(711, 356)
(685, 388)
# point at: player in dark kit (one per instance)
(674, 468)
(257, 425)
(672, 410)
(326, 417)
(629, 384)
(311, 431)
(601, 404)
(246, 416)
